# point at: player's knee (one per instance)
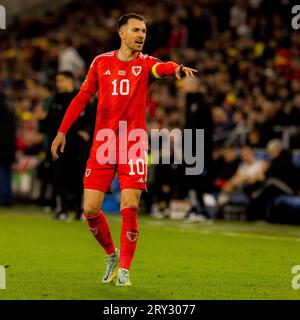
(90, 209)
(130, 204)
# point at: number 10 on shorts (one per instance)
(137, 167)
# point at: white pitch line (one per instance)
(251, 235)
(184, 227)
(191, 228)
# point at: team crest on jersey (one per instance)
(88, 172)
(132, 235)
(136, 70)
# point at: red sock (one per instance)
(100, 229)
(129, 235)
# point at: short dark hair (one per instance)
(124, 19)
(65, 73)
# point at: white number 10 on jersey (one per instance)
(123, 87)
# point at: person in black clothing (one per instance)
(293, 119)
(280, 178)
(224, 167)
(7, 150)
(66, 173)
(199, 116)
(200, 20)
(167, 186)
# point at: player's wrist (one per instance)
(61, 134)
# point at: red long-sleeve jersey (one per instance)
(122, 88)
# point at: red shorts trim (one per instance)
(96, 187)
(100, 178)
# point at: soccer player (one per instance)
(121, 78)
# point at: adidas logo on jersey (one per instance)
(141, 180)
(107, 72)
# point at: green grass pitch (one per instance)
(174, 260)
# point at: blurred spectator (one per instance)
(166, 187)
(280, 177)
(198, 115)
(294, 116)
(249, 173)
(199, 22)
(66, 173)
(69, 59)
(178, 34)
(7, 150)
(254, 139)
(225, 167)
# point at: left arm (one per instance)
(170, 68)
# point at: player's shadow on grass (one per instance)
(111, 292)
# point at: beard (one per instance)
(135, 47)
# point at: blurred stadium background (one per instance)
(246, 96)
